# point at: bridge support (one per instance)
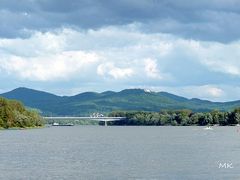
(105, 123)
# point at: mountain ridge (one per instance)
(105, 102)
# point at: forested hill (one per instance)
(128, 100)
(14, 114)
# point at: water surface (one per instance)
(95, 152)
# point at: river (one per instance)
(108, 153)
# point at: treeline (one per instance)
(177, 118)
(14, 114)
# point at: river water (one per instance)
(98, 152)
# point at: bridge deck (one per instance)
(86, 118)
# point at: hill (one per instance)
(128, 99)
(14, 114)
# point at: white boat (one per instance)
(238, 125)
(208, 128)
(55, 124)
(68, 124)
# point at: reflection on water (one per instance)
(95, 152)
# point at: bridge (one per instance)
(100, 118)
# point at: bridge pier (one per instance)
(105, 123)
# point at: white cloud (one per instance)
(214, 91)
(151, 69)
(219, 57)
(109, 69)
(204, 92)
(125, 56)
(211, 92)
(52, 67)
(39, 44)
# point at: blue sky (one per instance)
(189, 48)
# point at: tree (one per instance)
(237, 115)
(216, 116)
(1, 123)
(223, 118)
(166, 119)
(182, 117)
(205, 119)
(231, 117)
(14, 114)
(194, 118)
(155, 119)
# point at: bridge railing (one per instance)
(85, 118)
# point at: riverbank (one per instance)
(177, 118)
(13, 114)
(21, 128)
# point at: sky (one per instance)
(189, 48)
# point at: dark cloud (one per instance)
(214, 20)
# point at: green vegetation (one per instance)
(179, 117)
(74, 122)
(87, 103)
(14, 115)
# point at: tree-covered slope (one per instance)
(14, 114)
(129, 100)
(43, 101)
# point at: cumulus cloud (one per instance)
(205, 91)
(151, 69)
(109, 69)
(215, 92)
(50, 67)
(123, 57)
(67, 52)
(219, 57)
(190, 48)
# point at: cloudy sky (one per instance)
(189, 48)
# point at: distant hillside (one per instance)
(129, 99)
(35, 99)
